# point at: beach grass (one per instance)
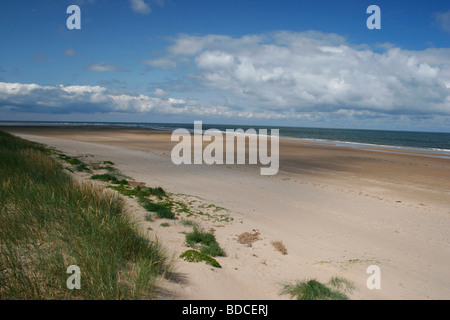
(314, 290)
(341, 284)
(108, 177)
(162, 209)
(76, 163)
(48, 222)
(137, 192)
(158, 192)
(207, 241)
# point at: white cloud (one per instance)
(309, 76)
(140, 6)
(159, 92)
(59, 100)
(91, 99)
(313, 71)
(215, 59)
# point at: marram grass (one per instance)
(315, 290)
(49, 222)
(207, 242)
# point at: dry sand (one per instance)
(337, 210)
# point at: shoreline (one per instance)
(337, 210)
(416, 151)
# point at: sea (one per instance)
(437, 143)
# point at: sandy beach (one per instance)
(337, 210)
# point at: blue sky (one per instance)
(297, 63)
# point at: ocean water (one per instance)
(419, 141)
(429, 140)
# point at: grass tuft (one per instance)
(78, 164)
(341, 284)
(106, 177)
(162, 210)
(195, 256)
(207, 241)
(158, 192)
(312, 290)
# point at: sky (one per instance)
(250, 62)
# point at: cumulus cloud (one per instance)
(18, 98)
(59, 99)
(90, 99)
(314, 77)
(311, 71)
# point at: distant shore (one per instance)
(435, 144)
(337, 209)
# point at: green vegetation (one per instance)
(108, 177)
(48, 222)
(162, 209)
(70, 160)
(78, 164)
(207, 241)
(149, 217)
(129, 192)
(189, 223)
(104, 177)
(213, 249)
(341, 284)
(158, 191)
(83, 167)
(190, 211)
(108, 168)
(195, 256)
(314, 290)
